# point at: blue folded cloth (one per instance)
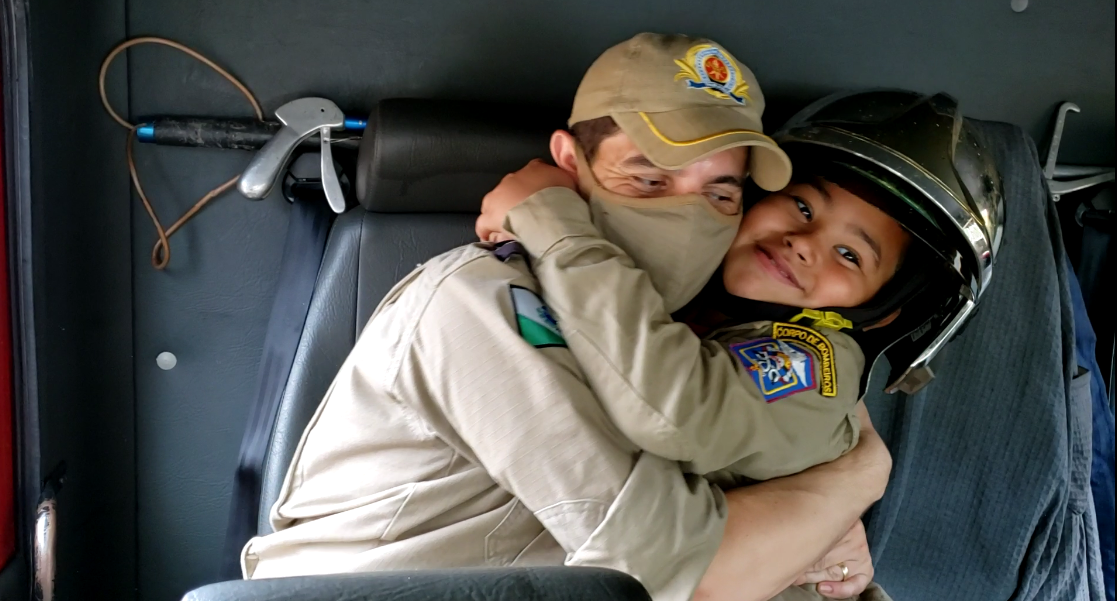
(1101, 472)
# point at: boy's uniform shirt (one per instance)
(761, 400)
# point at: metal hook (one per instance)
(1057, 137)
(1051, 169)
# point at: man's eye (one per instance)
(804, 208)
(726, 205)
(849, 255)
(654, 184)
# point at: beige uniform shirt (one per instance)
(449, 440)
(763, 400)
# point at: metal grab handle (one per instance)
(301, 119)
(45, 536)
(259, 177)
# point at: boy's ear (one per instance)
(564, 152)
(887, 320)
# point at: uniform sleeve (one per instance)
(525, 415)
(670, 392)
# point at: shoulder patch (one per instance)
(534, 319)
(780, 368)
(820, 345)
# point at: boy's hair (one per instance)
(589, 134)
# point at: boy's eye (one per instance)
(804, 208)
(849, 255)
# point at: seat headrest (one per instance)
(439, 156)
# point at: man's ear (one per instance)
(564, 152)
(885, 321)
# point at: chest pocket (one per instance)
(1080, 434)
(512, 535)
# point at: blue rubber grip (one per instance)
(145, 132)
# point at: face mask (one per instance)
(679, 241)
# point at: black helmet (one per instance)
(928, 170)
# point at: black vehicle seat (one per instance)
(423, 168)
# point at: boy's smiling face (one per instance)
(814, 245)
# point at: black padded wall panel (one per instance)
(1002, 65)
(81, 259)
(209, 309)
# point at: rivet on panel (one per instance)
(166, 361)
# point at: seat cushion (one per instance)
(504, 584)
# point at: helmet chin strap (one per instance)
(742, 310)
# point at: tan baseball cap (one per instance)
(681, 99)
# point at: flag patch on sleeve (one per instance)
(534, 319)
(780, 368)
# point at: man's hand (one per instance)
(775, 528)
(852, 552)
(513, 190)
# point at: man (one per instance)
(461, 432)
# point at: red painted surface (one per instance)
(7, 446)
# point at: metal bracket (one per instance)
(1052, 169)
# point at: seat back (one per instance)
(991, 461)
(423, 168)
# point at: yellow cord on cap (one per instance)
(824, 319)
(670, 142)
(161, 254)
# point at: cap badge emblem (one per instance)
(707, 68)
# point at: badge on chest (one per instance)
(779, 367)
